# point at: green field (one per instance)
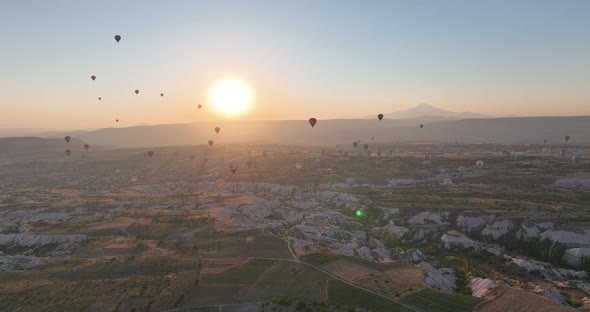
(339, 292)
(289, 279)
(433, 300)
(244, 274)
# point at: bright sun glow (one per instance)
(231, 96)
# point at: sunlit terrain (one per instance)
(404, 229)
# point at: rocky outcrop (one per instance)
(442, 279)
(427, 217)
(10, 263)
(454, 239)
(471, 223)
(499, 227)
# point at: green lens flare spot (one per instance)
(359, 213)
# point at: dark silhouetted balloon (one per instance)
(421, 126)
(366, 146)
(99, 98)
(249, 163)
(544, 141)
(86, 146)
(312, 122)
(199, 106)
(233, 166)
(562, 153)
(566, 138)
(355, 144)
(68, 138)
(380, 116)
(217, 129)
(93, 77)
(117, 120)
(117, 38)
(210, 142)
(68, 152)
(150, 153)
(162, 94)
(136, 91)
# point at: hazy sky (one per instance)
(327, 59)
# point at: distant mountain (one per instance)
(30, 146)
(425, 110)
(520, 130)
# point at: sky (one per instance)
(325, 59)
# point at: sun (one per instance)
(231, 96)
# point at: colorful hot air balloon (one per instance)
(68, 152)
(380, 116)
(355, 144)
(93, 77)
(249, 163)
(86, 146)
(150, 153)
(366, 146)
(298, 166)
(233, 166)
(67, 138)
(217, 129)
(220, 183)
(117, 38)
(136, 91)
(210, 142)
(312, 122)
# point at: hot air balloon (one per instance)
(199, 106)
(447, 181)
(210, 142)
(355, 144)
(116, 120)
(233, 166)
(372, 138)
(369, 153)
(99, 98)
(117, 38)
(217, 129)
(421, 126)
(566, 138)
(86, 146)
(350, 181)
(68, 152)
(380, 116)
(366, 146)
(249, 163)
(162, 94)
(544, 141)
(479, 163)
(378, 152)
(67, 138)
(220, 183)
(150, 153)
(93, 77)
(312, 122)
(576, 159)
(562, 153)
(298, 166)
(136, 91)
(134, 179)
